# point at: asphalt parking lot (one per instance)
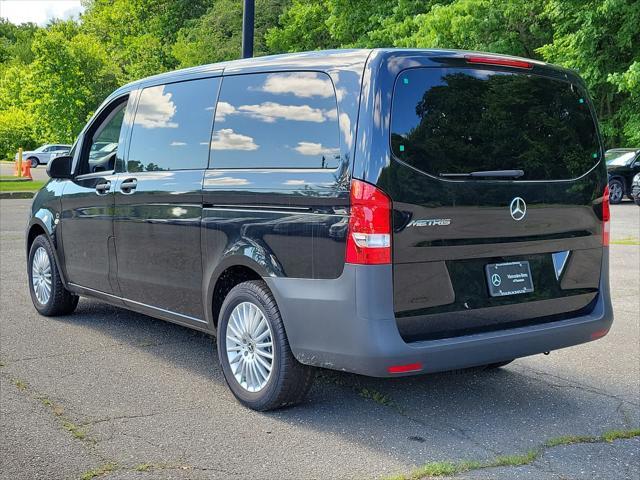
(118, 395)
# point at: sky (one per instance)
(39, 11)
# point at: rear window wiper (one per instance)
(486, 174)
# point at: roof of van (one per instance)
(315, 60)
(321, 60)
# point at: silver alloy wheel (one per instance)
(249, 343)
(41, 275)
(615, 192)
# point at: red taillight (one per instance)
(369, 236)
(507, 62)
(411, 367)
(606, 217)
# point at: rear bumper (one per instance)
(348, 324)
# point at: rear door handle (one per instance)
(103, 187)
(128, 186)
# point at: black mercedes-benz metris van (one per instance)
(383, 212)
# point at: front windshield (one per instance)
(619, 159)
(41, 148)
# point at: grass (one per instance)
(98, 472)
(625, 241)
(21, 186)
(569, 440)
(376, 396)
(74, 430)
(612, 435)
(450, 468)
(20, 384)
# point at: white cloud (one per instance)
(223, 109)
(300, 84)
(155, 109)
(39, 11)
(226, 181)
(345, 128)
(310, 148)
(227, 139)
(179, 144)
(295, 182)
(271, 111)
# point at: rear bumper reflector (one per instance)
(411, 367)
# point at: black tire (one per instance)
(34, 162)
(61, 301)
(637, 201)
(495, 366)
(289, 380)
(616, 191)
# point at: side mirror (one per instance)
(60, 167)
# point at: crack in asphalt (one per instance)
(142, 415)
(573, 384)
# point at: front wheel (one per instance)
(45, 284)
(254, 352)
(616, 191)
(34, 162)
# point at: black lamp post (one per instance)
(247, 28)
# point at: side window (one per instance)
(172, 126)
(101, 141)
(276, 120)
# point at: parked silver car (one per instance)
(44, 154)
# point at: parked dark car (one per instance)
(383, 212)
(622, 164)
(635, 189)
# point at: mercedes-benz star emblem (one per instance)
(518, 209)
(496, 280)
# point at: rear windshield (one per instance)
(454, 121)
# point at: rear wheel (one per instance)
(616, 191)
(45, 284)
(254, 352)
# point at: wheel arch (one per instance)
(228, 273)
(38, 227)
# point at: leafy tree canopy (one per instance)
(52, 78)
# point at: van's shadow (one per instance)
(443, 416)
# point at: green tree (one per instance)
(217, 35)
(139, 34)
(15, 42)
(70, 76)
(601, 39)
(16, 130)
(515, 27)
(628, 84)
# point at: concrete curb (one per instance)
(15, 195)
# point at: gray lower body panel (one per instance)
(349, 324)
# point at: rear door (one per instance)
(496, 183)
(158, 199)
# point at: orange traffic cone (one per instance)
(26, 170)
